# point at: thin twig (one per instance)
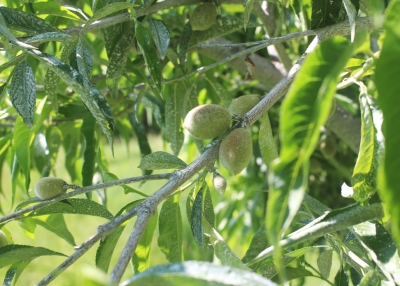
(82, 190)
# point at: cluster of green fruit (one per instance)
(210, 120)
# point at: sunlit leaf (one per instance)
(161, 160)
(266, 141)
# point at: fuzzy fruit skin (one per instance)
(241, 105)
(203, 17)
(207, 121)
(236, 150)
(3, 239)
(219, 183)
(49, 187)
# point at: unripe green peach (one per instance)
(203, 17)
(328, 147)
(50, 187)
(236, 150)
(3, 239)
(207, 121)
(241, 105)
(219, 183)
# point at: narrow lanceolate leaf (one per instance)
(223, 94)
(14, 253)
(388, 87)
(14, 272)
(141, 257)
(190, 99)
(49, 36)
(8, 35)
(184, 43)
(197, 217)
(161, 160)
(42, 155)
(89, 156)
(198, 273)
(160, 35)
(259, 242)
(90, 95)
(304, 111)
(381, 247)
(208, 207)
(247, 12)
(84, 61)
(351, 14)
(341, 278)
(170, 229)
(56, 224)
(371, 150)
(51, 81)
(23, 92)
(25, 22)
(74, 206)
(105, 11)
(173, 126)
(49, 8)
(325, 263)
(266, 141)
(149, 54)
(22, 143)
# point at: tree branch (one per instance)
(82, 190)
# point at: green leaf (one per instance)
(105, 11)
(293, 273)
(196, 273)
(341, 278)
(351, 14)
(14, 253)
(74, 206)
(221, 248)
(22, 142)
(149, 54)
(25, 22)
(23, 92)
(107, 246)
(266, 141)
(324, 263)
(49, 8)
(224, 95)
(247, 12)
(372, 278)
(49, 36)
(90, 95)
(380, 245)
(371, 149)
(208, 207)
(304, 110)
(190, 100)
(141, 257)
(56, 224)
(388, 87)
(84, 61)
(325, 13)
(41, 155)
(173, 118)
(89, 155)
(184, 43)
(197, 217)
(160, 35)
(258, 243)
(161, 160)
(13, 62)
(13, 273)
(51, 81)
(4, 31)
(170, 229)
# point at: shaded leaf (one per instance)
(23, 92)
(160, 35)
(325, 263)
(351, 14)
(170, 229)
(14, 272)
(341, 278)
(266, 141)
(247, 12)
(149, 54)
(22, 142)
(83, 60)
(196, 273)
(197, 217)
(184, 43)
(259, 242)
(42, 155)
(49, 36)
(372, 278)
(9, 36)
(74, 206)
(49, 8)
(14, 253)
(161, 160)
(325, 13)
(13, 62)
(224, 95)
(208, 207)
(51, 81)
(173, 118)
(89, 155)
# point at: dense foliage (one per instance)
(82, 79)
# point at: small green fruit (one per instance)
(219, 183)
(236, 150)
(50, 187)
(241, 105)
(203, 17)
(328, 147)
(207, 121)
(3, 239)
